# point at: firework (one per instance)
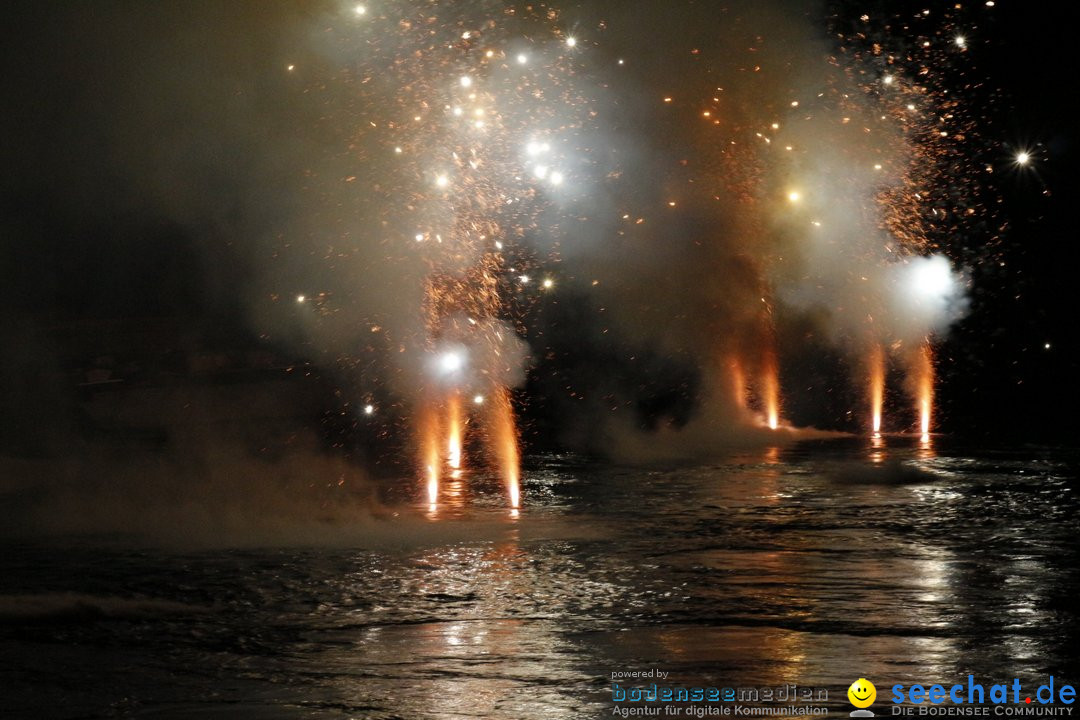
(923, 369)
(877, 386)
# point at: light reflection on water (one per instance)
(895, 559)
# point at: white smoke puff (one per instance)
(928, 295)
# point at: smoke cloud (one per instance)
(693, 246)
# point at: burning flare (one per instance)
(877, 386)
(924, 387)
(453, 449)
(430, 455)
(738, 382)
(770, 388)
(505, 440)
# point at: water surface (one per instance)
(815, 564)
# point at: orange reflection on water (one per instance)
(877, 448)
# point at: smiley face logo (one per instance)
(862, 693)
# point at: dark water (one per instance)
(816, 564)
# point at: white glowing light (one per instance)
(442, 181)
(556, 178)
(794, 196)
(361, 10)
(549, 283)
(419, 237)
(290, 68)
(931, 283)
(571, 41)
(522, 58)
(540, 172)
(1023, 157)
(398, 150)
(301, 298)
(932, 279)
(524, 279)
(466, 81)
(888, 80)
(451, 361)
(478, 400)
(369, 409)
(1046, 346)
(961, 41)
(457, 112)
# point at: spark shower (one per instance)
(829, 178)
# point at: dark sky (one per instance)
(151, 151)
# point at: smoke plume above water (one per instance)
(686, 244)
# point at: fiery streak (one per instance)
(738, 382)
(453, 411)
(770, 387)
(429, 441)
(924, 387)
(877, 386)
(504, 437)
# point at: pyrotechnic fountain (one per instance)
(474, 141)
(876, 378)
(770, 387)
(454, 432)
(923, 369)
(738, 382)
(505, 441)
(821, 203)
(429, 444)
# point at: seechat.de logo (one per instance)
(862, 694)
